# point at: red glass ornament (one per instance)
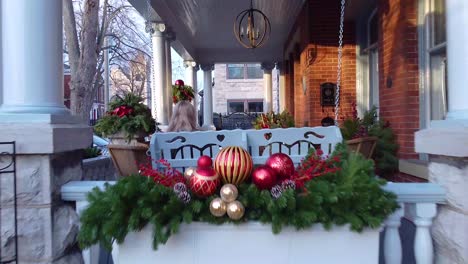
(179, 83)
(204, 182)
(282, 164)
(204, 161)
(264, 177)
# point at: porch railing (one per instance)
(418, 203)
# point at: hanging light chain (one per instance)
(255, 35)
(340, 57)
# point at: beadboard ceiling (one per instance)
(204, 28)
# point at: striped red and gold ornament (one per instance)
(233, 164)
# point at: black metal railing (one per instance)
(8, 188)
(237, 120)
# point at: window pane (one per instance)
(235, 107)
(255, 106)
(235, 71)
(438, 88)
(254, 71)
(439, 21)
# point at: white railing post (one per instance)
(420, 201)
(422, 214)
(91, 254)
(392, 241)
(77, 191)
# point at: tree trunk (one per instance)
(82, 86)
(69, 24)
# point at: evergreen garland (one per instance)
(351, 195)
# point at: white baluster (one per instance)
(392, 242)
(91, 254)
(422, 214)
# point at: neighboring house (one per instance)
(131, 77)
(239, 88)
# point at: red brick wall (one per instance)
(319, 24)
(398, 68)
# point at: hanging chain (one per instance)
(340, 56)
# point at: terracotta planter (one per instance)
(364, 145)
(127, 155)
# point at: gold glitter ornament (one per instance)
(229, 193)
(218, 207)
(235, 210)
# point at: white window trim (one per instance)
(425, 43)
(363, 82)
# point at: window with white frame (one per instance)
(245, 105)
(244, 71)
(435, 60)
(367, 70)
(373, 53)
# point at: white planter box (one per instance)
(251, 243)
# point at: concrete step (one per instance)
(417, 168)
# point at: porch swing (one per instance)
(364, 145)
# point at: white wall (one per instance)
(1, 62)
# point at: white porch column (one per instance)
(170, 36)
(32, 57)
(207, 97)
(282, 87)
(159, 92)
(48, 141)
(191, 69)
(1, 60)
(268, 86)
(457, 58)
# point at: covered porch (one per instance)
(303, 45)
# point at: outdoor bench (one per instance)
(182, 149)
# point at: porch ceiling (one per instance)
(204, 28)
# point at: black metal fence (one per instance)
(237, 120)
(8, 204)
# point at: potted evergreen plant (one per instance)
(127, 124)
(373, 138)
(272, 120)
(356, 135)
